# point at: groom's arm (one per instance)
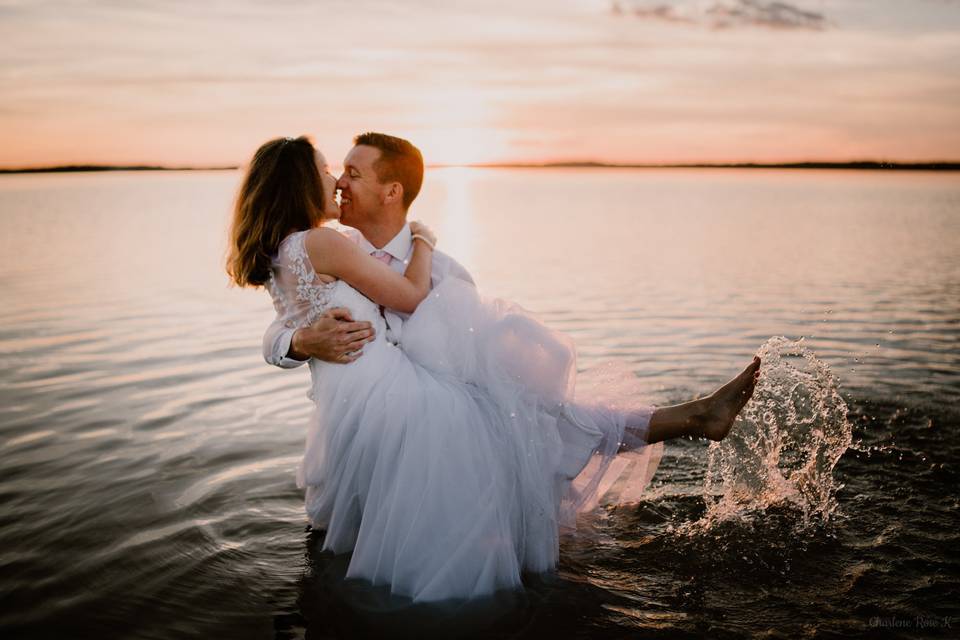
(276, 346)
(333, 337)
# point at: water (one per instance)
(786, 444)
(148, 453)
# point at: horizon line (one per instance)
(931, 165)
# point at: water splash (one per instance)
(782, 450)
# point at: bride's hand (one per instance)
(417, 228)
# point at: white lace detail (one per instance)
(308, 290)
(279, 301)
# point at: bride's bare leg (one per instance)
(709, 417)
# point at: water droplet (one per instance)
(786, 443)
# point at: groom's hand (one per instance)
(333, 337)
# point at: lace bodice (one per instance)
(300, 297)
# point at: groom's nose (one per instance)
(342, 181)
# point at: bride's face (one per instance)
(331, 210)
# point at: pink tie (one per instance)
(382, 256)
(385, 258)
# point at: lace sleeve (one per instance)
(309, 289)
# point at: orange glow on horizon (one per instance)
(491, 82)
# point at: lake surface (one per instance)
(148, 453)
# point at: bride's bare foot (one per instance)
(709, 417)
(723, 405)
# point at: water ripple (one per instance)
(148, 453)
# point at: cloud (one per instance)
(776, 15)
(727, 14)
(171, 81)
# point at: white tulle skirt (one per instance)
(449, 466)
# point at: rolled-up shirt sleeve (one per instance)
(276, 345)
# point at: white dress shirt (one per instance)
(276, 340)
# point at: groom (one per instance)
(382, 176)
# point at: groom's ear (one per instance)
(395, 192)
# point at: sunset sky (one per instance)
(204, 83)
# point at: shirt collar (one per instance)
(398, 247)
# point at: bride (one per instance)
(448, 464)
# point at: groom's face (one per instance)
(361, 194)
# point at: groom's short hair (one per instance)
(399, 161)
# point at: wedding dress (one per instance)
(448, 465)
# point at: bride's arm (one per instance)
(332, 253)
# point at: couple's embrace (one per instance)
(446, 447)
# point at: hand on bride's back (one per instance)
(418, 228)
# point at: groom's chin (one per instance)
(345, 218)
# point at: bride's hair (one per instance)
(281, 193)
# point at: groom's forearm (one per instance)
(333, 337)
(295, 352)
(276, 347)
